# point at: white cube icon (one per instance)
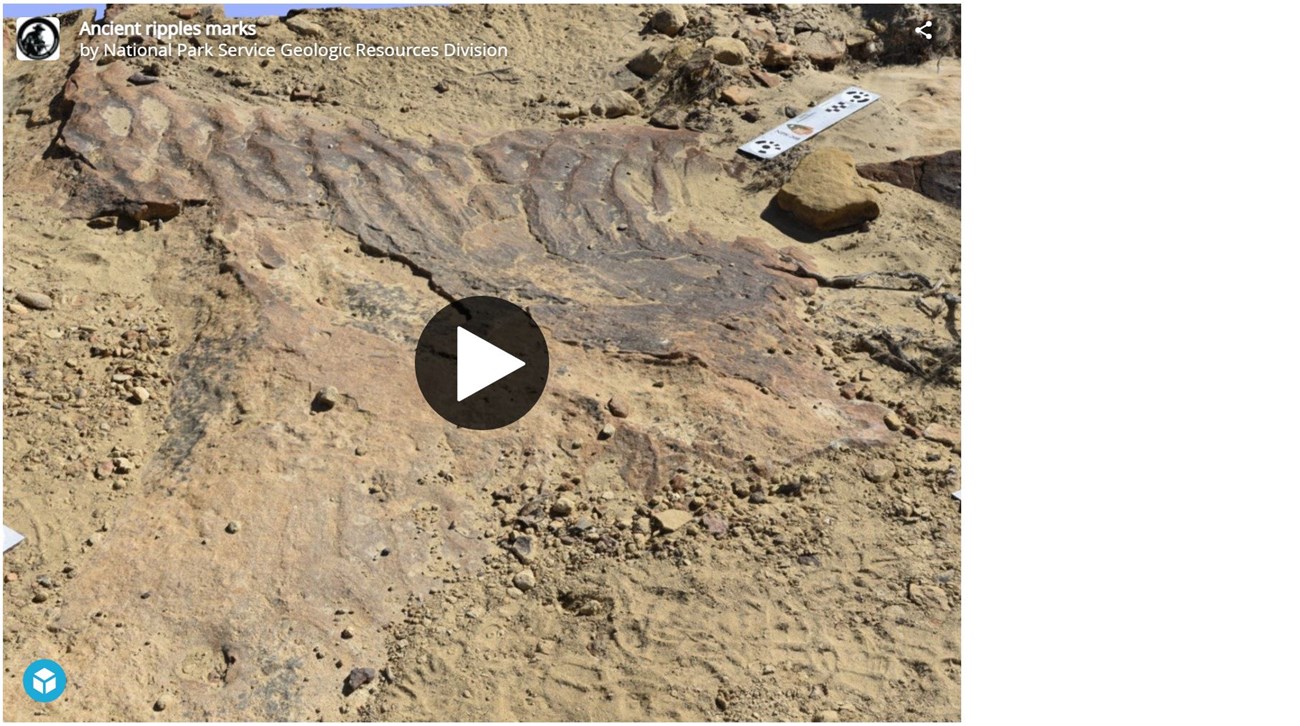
(44, 681)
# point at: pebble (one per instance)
(35, 300)
(737, 95)
(562, 507)
(139, 395)
(670, 20)
(945, 435)
(232, 527)
(162, 702)
(777, 55)
(525, 580)
(893, 421)
(616, 104)
(616, 408)
(522, 549)
(826, 716)
(647, 63)
(304, 27)
(666, 118)
(757, 497)
(326, 399)
(346, 634)
(606, 432)
(11, 576)
(880, 470)
(671, 520)
(39, 596)
(357, 678)
(728, 51)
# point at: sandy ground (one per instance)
(217, 549)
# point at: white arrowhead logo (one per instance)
(479, 364)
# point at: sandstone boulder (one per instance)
(826, 193)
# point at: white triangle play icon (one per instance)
(479, 364)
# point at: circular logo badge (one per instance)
(44, 680)
(38, 38)
(481, 363)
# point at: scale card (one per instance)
(810, 123)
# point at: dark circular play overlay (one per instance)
(493, 330)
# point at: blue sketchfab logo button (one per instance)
(44, 680)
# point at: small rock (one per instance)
(11, 576)
(615, 105)
(232, 527)
(893, 421)
(666, 118)
(142, 79)
(35, 300)
(824, 51)
(945, 435)
(139, 395)
(757, 28)
(187, 12)
(525, 580)
(826, 716)
(757, 497)
(751, 115)
(347, 634)
(931, 597)
(671, 520)
(728, 51)
(123, 465)
(737, 95)
(304, 27)
(769, 80)
(562, 507)
(777, 55)
(616, 408)
(826, 193)
(522, 549)
(326, 399)
(648, 62)
(103, 469)
(669, 20)
(162, 702)
(442, 87)
(39, 596)
(357, 678)
(606, 432)
(880, 470)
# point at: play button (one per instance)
(481, 363)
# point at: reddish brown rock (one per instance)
(737, 95)
(937, 177)
(777, 55)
